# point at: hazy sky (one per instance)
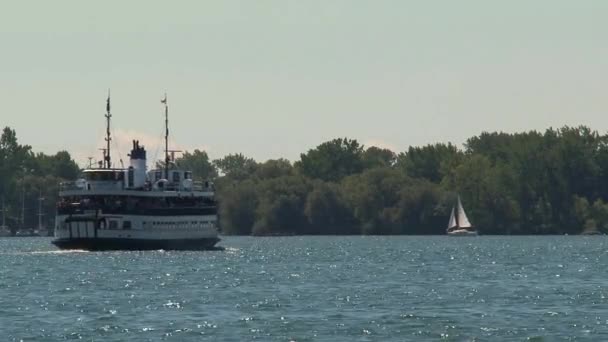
(272, 79)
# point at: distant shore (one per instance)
(530, 183)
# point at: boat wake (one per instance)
(57, 252)
(66, 251)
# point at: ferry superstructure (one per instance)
(135, 209)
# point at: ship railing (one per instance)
(196, 186)
(107, 185)
(75, 186)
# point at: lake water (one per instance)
(311, 289)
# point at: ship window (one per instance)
(188, 175)
(158, 175)
(176, 177)
(113, 224)
(131, 177)
(126, 225)
(119, 176)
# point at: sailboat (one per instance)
(459, 224)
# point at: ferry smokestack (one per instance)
(137, 166)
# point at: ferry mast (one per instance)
(164, 101)
(106, 154)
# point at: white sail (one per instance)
(463, 220)
(452, 222)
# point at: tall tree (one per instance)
(237, 206)
(236, 166)
(198, 162)
(332, 160)
(430, 162)
(13, 158)
(327, 212)
(378, 157)
(274, 168)
(282, 206)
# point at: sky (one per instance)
(273, 79)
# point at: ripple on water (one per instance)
(309, 289)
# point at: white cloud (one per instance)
(122, 142)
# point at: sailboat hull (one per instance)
(462, 232)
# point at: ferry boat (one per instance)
(135, 209)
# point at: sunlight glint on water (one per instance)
(311, 289)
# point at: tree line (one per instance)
(551, 182)
(29, 182)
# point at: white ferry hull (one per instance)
(144, 232)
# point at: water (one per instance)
(311, 289)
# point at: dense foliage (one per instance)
(27, 177)
(554, 182)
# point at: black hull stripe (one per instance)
(112, 244)
(148, 212)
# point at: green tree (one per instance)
(332, 160)
(237, 207)
(281, 206)
(592, 217)
(430, 162)
(236, 166)
(486, 191)
(327, 212)
(274, 168)
(368, 195)
(378, 157)
(198, 162)
(13, 158)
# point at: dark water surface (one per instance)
(311, 289)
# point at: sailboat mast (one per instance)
(23, 203)
(457, 216)
(164, 101)
(40, 214)
(3, 214)
(106, 157)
